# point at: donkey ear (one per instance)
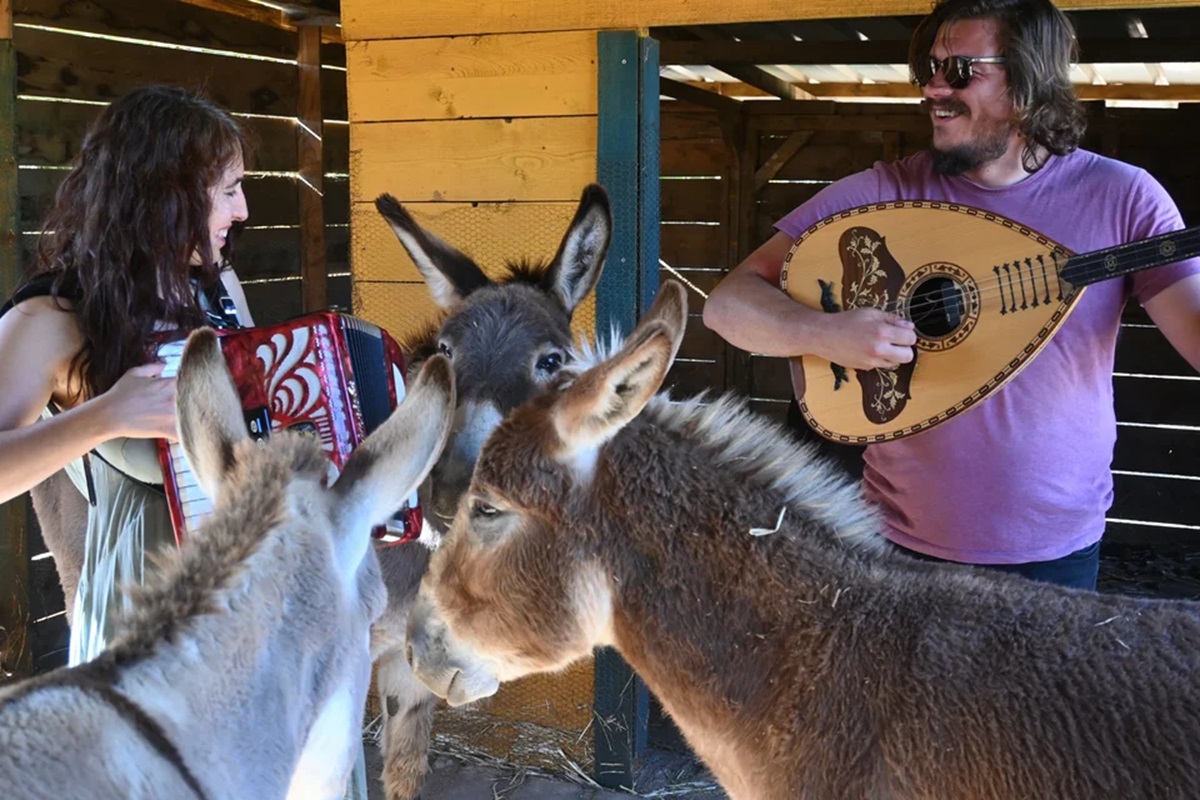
(603, 400)
(390, 463)
(209, 410)
(580, 258)
(670, 309)
(449, 274)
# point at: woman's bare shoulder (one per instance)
(39, 338)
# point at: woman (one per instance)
(136, 244)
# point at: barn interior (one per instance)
(489, 122)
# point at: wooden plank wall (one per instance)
(697, 172)
(68, 70)
(1157, 460)
(389, 19)
(487, 140)
(15, 655)
(60, 59)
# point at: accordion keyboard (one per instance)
(195, 505)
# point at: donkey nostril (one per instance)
(408, 653)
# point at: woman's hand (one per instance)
(141, 404)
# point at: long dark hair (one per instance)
(127, 220)
(1038, 44)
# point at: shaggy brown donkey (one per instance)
(743, 580)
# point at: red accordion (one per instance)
(330, 375)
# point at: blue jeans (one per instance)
(1078, 569)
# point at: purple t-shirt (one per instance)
(1025, 475)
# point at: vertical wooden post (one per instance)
(627, 166)
(617, 171)
(747, 237)
(649, 173)
(15, 655)
(310, 149)
(741, 148)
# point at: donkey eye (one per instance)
(482, 509)
(445, 350)
(550, 363)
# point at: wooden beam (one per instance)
(766, 82)
(263, 15)
(311, 12)
(825, 91)
(1180, 92)
(752, 75)
(390, 19)
(729, 52)
(697, 94)
(311, 186)
(15, 655)
(782, 52)
(779, 159)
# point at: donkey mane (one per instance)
(756, 447)
(252, 505)
(525, 270)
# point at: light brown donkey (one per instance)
(744, 582)
(243, 669)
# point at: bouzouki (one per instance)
(990, 301)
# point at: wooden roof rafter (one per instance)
(290, 15)
(753, 75)
(757, 53)
(901, 91)
(1137, 54)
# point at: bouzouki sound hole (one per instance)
(943, 303)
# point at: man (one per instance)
(1022, 482)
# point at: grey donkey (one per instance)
(242, 669)
(507, 340)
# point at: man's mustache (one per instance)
(953, 106)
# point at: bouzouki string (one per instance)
(1088, 268)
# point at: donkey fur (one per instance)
(506, 339)
(807, 662)
(242, 669)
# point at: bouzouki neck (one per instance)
(1125, 259)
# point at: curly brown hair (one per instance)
(128, 219)
(1038, 43)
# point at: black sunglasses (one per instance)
(957, 70)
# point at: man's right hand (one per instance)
(867, 338)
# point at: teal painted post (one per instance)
(649, 177)
(627, 164)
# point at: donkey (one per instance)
(507, 340)
(243, 668)
(745, 582)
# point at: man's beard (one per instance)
(973, 154)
